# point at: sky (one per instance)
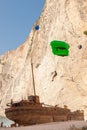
(16, 20)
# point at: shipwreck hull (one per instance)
(30, 116)
(30, 112)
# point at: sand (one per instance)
(52, 126)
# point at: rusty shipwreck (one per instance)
(31, 111)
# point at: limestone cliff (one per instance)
(64, 20)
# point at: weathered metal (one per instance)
(31, 111)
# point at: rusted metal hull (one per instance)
(30, 116)
(31, 111)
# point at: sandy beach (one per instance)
(52, 126)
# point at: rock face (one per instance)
(58, 80)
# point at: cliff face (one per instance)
(58, 80)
